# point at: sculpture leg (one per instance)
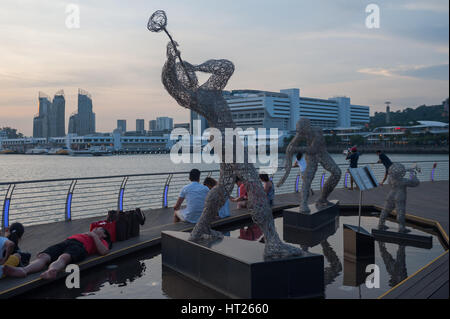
(307, 178)
(262, 214)
(216, 198)
(330, 165)
(401, 218)
(388, 208)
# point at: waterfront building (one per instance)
(389, 133)
(50, 121)
(41, 120)
(122, 125)
(186, 126)
(140, 125)
(164, 123)
(152, 125)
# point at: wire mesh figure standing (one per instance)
(315, 152)
(396, 199)
(207, 100)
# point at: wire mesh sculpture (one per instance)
(315, 152)
(396, 198)
(207, 99)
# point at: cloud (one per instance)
(433, 72)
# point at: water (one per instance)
(142, 276)
(36, 167)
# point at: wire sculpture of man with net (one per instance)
(207, 99)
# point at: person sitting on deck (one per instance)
(73, 250)
(242, 200)
(225, 210)
(195, 195)
(11, 248)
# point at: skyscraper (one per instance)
(122, 125)
(140, 125)
(57, 115)
(152, 125)
(41, 120)
(164, 123)
(83, 122)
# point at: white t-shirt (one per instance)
(301, 164)
(194, 195)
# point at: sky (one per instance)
(324, 48)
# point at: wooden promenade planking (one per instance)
(429, 200)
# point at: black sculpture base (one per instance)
(358, 244)
(355, 272)
(237, 269)
(317, 218)
(403, 239)
(309, 238)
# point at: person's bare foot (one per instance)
(176, 219)
(49, 274)
(17, 272)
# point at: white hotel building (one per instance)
(253, 108)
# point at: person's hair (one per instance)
(379, 151)
(16, 231)
(107, 238)
(210, 182)
(264, 177)
(299, 155)
(237, 179)
(194, 175)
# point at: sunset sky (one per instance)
(322, 47)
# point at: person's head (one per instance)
(379, 152)
(194, 175)
(354, 149)
(238, 181)
(299, 156)
(210, 182)
(15, 232)
(103, 234)
(264, 177)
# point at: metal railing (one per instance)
(47, 201)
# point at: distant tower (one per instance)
(122, 125)
(388, 112)
(140, 125)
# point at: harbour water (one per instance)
(37, 167)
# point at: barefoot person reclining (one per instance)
(73, 250)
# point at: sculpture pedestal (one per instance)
(237, 269)
(403, 239)
(309, 238)
(317, 218)
(358, 244)
(355, 272)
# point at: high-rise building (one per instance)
(164, 123)
(83, 122)
(152, 125)
(41, 120)
(58, 115)
(203, 122)
(140, 125)
(122, 125)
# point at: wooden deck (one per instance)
(428, 203)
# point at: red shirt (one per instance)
(242, 191)
(88, 243)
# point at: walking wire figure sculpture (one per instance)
(315, 152)
(396, 199)
(207, 99)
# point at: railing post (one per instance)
(68, 210)
(432, 171)
(6, 205)
(121, 193)
(165, 203)
(297, 181)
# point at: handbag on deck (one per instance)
(127, 223)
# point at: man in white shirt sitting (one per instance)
(300, 162)
(195, 195)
